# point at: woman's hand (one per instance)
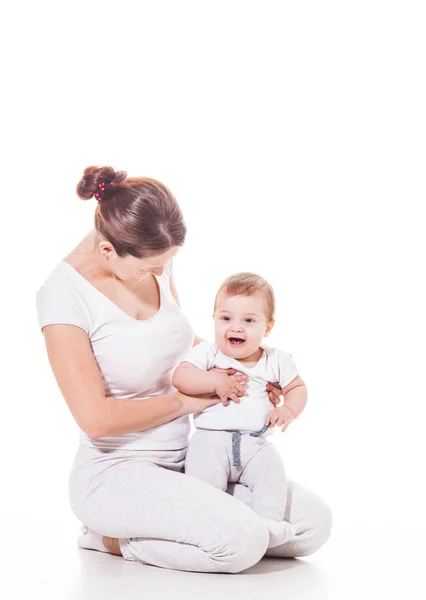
(274, 392)
(230, 385)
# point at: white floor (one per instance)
(386, 562)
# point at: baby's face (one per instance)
(240, 324)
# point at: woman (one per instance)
(114, 333)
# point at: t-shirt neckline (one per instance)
(91, 286)
(264, 348)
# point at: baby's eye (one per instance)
(250, 320)
(225, 318)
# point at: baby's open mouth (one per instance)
(235, 341)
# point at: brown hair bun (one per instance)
(93, 176)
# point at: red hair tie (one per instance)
(97, 195)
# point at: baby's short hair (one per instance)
(249, 284)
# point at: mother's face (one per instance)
(131, 269)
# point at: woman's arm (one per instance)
(80, 381)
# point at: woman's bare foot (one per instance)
(112, 545)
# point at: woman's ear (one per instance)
(269, 327)
(106, 249)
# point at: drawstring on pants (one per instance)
(236, 444)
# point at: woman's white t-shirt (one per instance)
(136, 358)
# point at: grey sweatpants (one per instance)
(166, 518)
(212, 456)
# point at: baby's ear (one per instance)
(269, 327)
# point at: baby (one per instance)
(229, 442)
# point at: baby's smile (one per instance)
(236, 341)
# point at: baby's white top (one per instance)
(250, 414)
(136, 358)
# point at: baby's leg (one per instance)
(207, 459)
(309, 515)
(264, 474)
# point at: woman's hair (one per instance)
(249, 284)
(137, 215)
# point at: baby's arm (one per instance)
(295, 396)
(191, 380)
(293, 389)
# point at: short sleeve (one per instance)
(58, 302)
(287, 370)
(201, 356)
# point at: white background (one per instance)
(293, 136)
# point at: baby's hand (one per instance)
(230, 386)
(281, 415)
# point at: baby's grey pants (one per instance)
(217, 457)
(166, 518)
